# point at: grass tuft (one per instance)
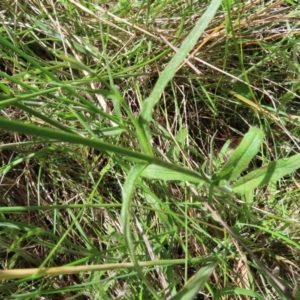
(149, 149)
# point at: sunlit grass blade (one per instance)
(242, 155)
(157, 172)
(33, 130)
(236, 291)
(270, 173)
(168, 73)
(196, 283)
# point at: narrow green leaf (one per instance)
(242, 155)
(109, 131)
(5, 89)
(196, 283)
(168, 73)
(236, 291)
(157, 172)
(270, 173)
(127, 193)
(43, 117)
(225, 152)
(97, 144)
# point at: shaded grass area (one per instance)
(87, 68)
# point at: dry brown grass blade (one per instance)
(241, 269)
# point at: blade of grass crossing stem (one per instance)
(127, 193)
(11, 99)
(97, 144)
(196, 283)
(169, 72)
(43, 118)
(242, 155)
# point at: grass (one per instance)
(149, 150)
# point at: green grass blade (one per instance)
(236, 291)
(97, 144)
(127, 193)
(243, 154)
(272, 172)
(158, 172)
(196, 283)
(43, 117)
(168, 73)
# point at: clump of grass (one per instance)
(121, 172)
